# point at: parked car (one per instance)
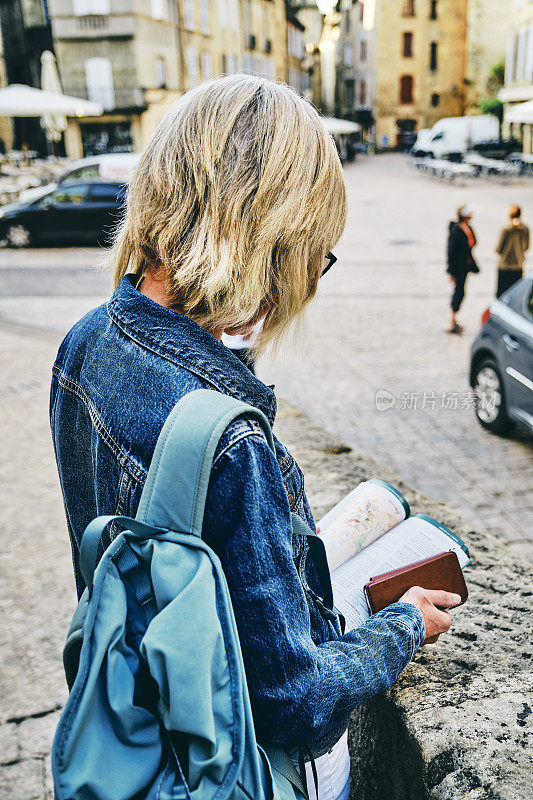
(501, 366)
(85, 212)
(108, 167)
(453, 136)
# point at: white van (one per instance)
(456, 135)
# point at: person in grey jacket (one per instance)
(512, 247)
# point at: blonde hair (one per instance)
(237, 197)
(515, 212)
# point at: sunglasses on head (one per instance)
(329, 260)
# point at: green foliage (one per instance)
(491, 105)
(496, 77)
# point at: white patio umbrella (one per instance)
(339, 126)
(53, 125)
(18, 100)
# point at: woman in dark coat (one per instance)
(461, 241)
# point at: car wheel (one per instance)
(490, 402)
(18, 236)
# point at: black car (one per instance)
(501, 367)
(85, 212)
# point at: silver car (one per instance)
(501, 367)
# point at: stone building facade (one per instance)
(26, 34)
(518, 89)
(135, 57)
(486, 42)
(419, 66)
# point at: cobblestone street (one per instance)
(378, 324)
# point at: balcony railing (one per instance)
(111, 99)
(92, 22)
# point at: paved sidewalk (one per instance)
(378, 326)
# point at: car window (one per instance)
(107, 193)
(529, 304)
(81, 173)
(518, 297)
(68, 195)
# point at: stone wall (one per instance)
(456, 724)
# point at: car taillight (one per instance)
(485, 316)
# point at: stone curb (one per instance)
(456, 724)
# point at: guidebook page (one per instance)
(360, 518)
(417, 538)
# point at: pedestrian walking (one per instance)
(461, 241)
(231, 213)
(512, 247)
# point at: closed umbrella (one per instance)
(340, 126)
(53, 125)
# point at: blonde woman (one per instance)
(512, 247)
(236, 202)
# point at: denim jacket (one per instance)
(117, 375)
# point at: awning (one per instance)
(339, 126)
(523, 112)
(18, 100)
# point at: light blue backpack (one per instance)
(159, 706)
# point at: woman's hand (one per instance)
(452, 279)
(431, 604)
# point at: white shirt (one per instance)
(333, 771)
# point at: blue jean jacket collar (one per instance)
(182, 341)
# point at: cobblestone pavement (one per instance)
(378, 324)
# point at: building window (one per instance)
(406, 89)
(222, 13)
(408, 8)
(362, 93)
(249, 63)
(207, 66)
(433, 9)
(191, 58)
(159, 9)
(408, 45)
(435, 99)
(349, 94)
(204, 16)
(433, 56)
(233, 14)
(529, 56)
(84, 8)
(521, 55)
(510, 58)
(160, 70)
(232, 64)
(348, 56)
(188, 14)
(363, 49)
(99, 81)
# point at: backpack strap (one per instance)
(175, 490)
(90, 541)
